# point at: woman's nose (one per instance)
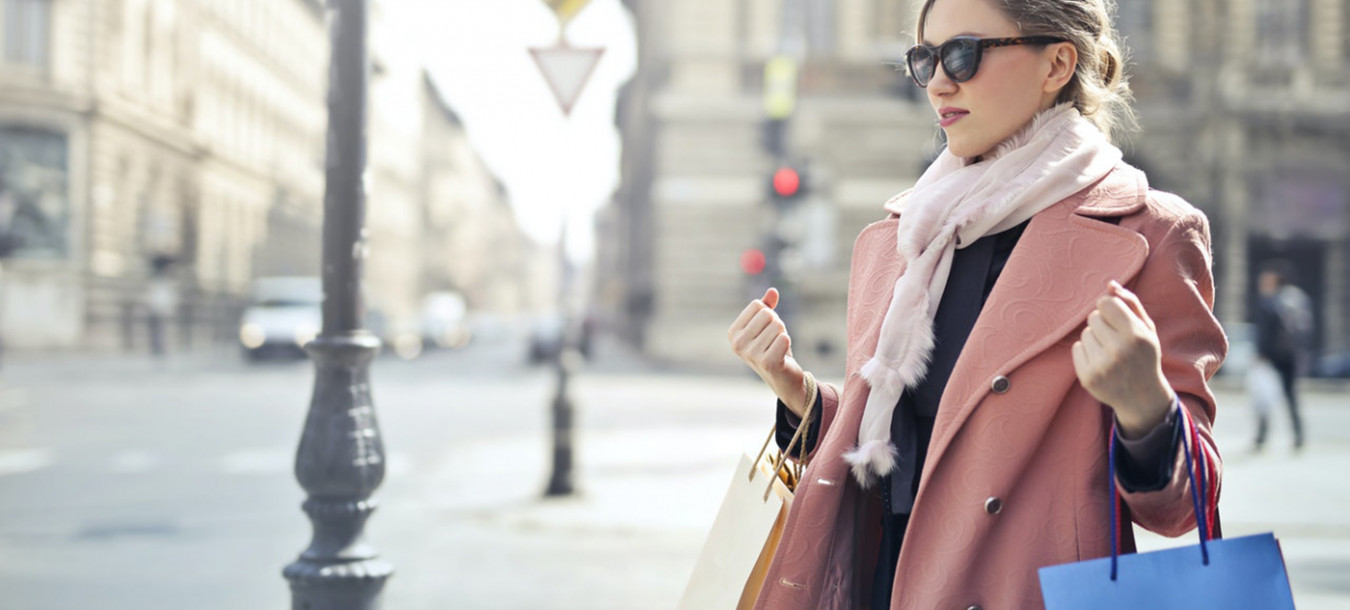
(940, 83)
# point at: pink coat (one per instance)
(1014, 424)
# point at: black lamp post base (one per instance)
(343, 586)
(340, 463)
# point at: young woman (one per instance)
(1029, 298)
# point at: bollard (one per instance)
(560, 481)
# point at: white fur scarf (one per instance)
(953, 204)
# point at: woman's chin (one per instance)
(966, 151)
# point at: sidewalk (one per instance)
(656, 451)
(652, 467)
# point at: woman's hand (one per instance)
(760, 338)
(1119, 361)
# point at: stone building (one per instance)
(147, 135)
(696, 167)
(471, 242)
(1245, 111)
(185, 138)
(260, 118)
(1244, 107)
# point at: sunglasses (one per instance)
(960, 56)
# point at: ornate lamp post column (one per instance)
(340, 461)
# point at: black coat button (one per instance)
(993, 506)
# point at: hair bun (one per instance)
(1110, 64)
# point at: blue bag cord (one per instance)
(1202, 526)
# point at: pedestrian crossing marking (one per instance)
(19, 461)
(132, 461)
(257, 461)
(282, 460)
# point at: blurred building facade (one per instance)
(186, 137)
(695, 191)
(471, 243)
(1245, 111)
(1244, 108)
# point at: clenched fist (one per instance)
(761, 339)
(1118, 360)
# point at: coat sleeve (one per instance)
(827, 403)
(1176, 288)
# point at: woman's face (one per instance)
(1007, 89)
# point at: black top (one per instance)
(1274, 340)
(975, 269)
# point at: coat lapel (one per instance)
(1051, 282)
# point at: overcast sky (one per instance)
(554, 167)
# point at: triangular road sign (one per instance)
(566, 70)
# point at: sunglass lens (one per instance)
(922, 64)
(959, 59)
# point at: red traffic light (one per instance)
(786, 182)
(753, 261)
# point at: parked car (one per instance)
(285, 313)
(444, 321)
(547, 333)
(546, 337)
(1333, 365)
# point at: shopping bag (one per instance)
(738, 541)
(731, 568)
(755, 582)
(1263, 385)
(1245, 572)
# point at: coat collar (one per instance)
(1121, 192)
(1058, 269)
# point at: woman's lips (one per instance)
(948, 116)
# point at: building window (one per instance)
(1282, 32)
(34, 200)
(1134, 19)
(820, 24)
(28, 32)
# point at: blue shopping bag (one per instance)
(1246, 572)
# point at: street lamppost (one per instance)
(340, 461)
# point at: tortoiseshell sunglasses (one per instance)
(960, 56)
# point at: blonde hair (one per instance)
(1098, 87)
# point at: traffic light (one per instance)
(787, 182)
(753, 261)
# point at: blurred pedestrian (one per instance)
(1028, 301)
(161, 301)
(1283, 328)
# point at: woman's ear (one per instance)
(1063, 62)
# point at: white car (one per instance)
(443, 320)
(284, 315)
